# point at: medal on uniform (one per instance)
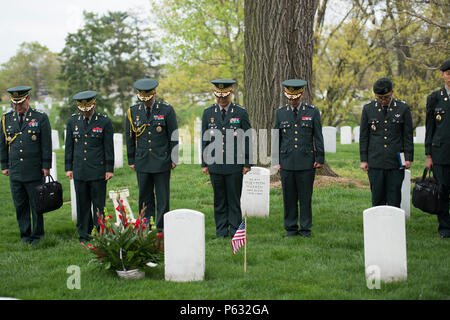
(33, 137)
(212, 120)
(374, 128)
(158, 129)
(438, 118)
(76, 128)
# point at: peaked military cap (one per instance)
(145, 88)
(223, 87)
(293, 88)
(445, 66)
(85, 100)
(382, 86)
(19, 94)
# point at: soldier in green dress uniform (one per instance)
(89, 160)
(386, 138)
(437, 140)
(26, 156)
(300, 151)
(226, 155)
(151, 137)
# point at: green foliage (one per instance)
(203, 40)
(403, 40)
(108, 54)
(34, 65)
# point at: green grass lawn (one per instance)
(329, 265)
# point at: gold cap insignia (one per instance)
(86, 105)
(291, 93)
(145, 95)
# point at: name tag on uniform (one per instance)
(235, 120)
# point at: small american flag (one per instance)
(239, 238)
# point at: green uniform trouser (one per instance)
(150, 184)
(297, 187)
(227, 202)
(442, 175)
(23, 198)
(89, 193)
(386, 186)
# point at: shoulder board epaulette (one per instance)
(310, 106)
(211, 106)
(239, 106)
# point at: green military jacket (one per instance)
(151, 142)
(89, 152)
(26, 150)
(437, 124)
(226, 143)
(300, 139)
(383, 137)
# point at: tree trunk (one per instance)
(279, 42)
(278, 46)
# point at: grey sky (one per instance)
(49, 21)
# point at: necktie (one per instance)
(295, 112)
(148, 112)
(385, 109)
(223, 113)
(86, 122)
(20, 119)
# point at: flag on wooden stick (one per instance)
(239, 238)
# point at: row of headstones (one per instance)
(347, 136)
(184, 232)
(384, 245)
(118, 146)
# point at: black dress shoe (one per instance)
(305, 234)
(291, 234)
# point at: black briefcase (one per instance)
(48, 196)
(430, 196)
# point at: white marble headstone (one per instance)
(346, 135)
(385, 242)
(329, 138)
(118, 150)
(123, 196)
(55, 140)
(198, 139)
(48, 101)
(255, 197)
(73, 200)
(406, 194)
(184, 245)
(53, 171)
(356, 131)
(420, 135)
